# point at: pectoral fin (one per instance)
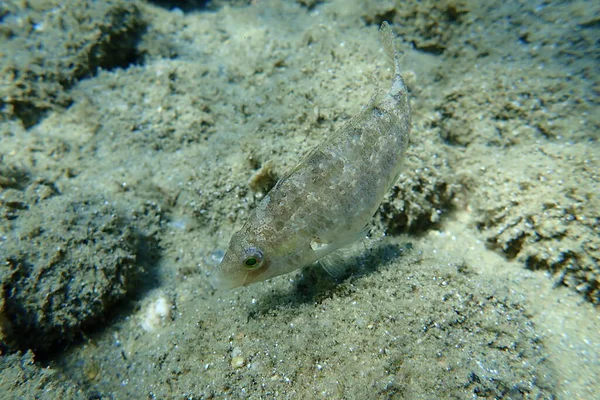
(331, 255)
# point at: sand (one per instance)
(135, 137)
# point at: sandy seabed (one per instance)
(135, 138)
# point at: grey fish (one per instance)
(325, 202)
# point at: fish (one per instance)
(327, 201)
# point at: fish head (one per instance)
(251, 258)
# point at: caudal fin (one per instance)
(387, 39)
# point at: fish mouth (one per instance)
(225, 281)
(228, 281)
(221, 281)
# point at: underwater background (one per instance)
(136, 136)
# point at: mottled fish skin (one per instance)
(325, 202)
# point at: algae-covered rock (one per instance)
(52, 46)
(424, 192)
(64, 261)
(429, 25)
(545, 216)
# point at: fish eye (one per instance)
(253, 258)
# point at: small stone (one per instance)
(237, 362)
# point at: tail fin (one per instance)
(387, 39)
(397, 97)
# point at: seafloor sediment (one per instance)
(136, 136)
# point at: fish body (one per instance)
(326, 201)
